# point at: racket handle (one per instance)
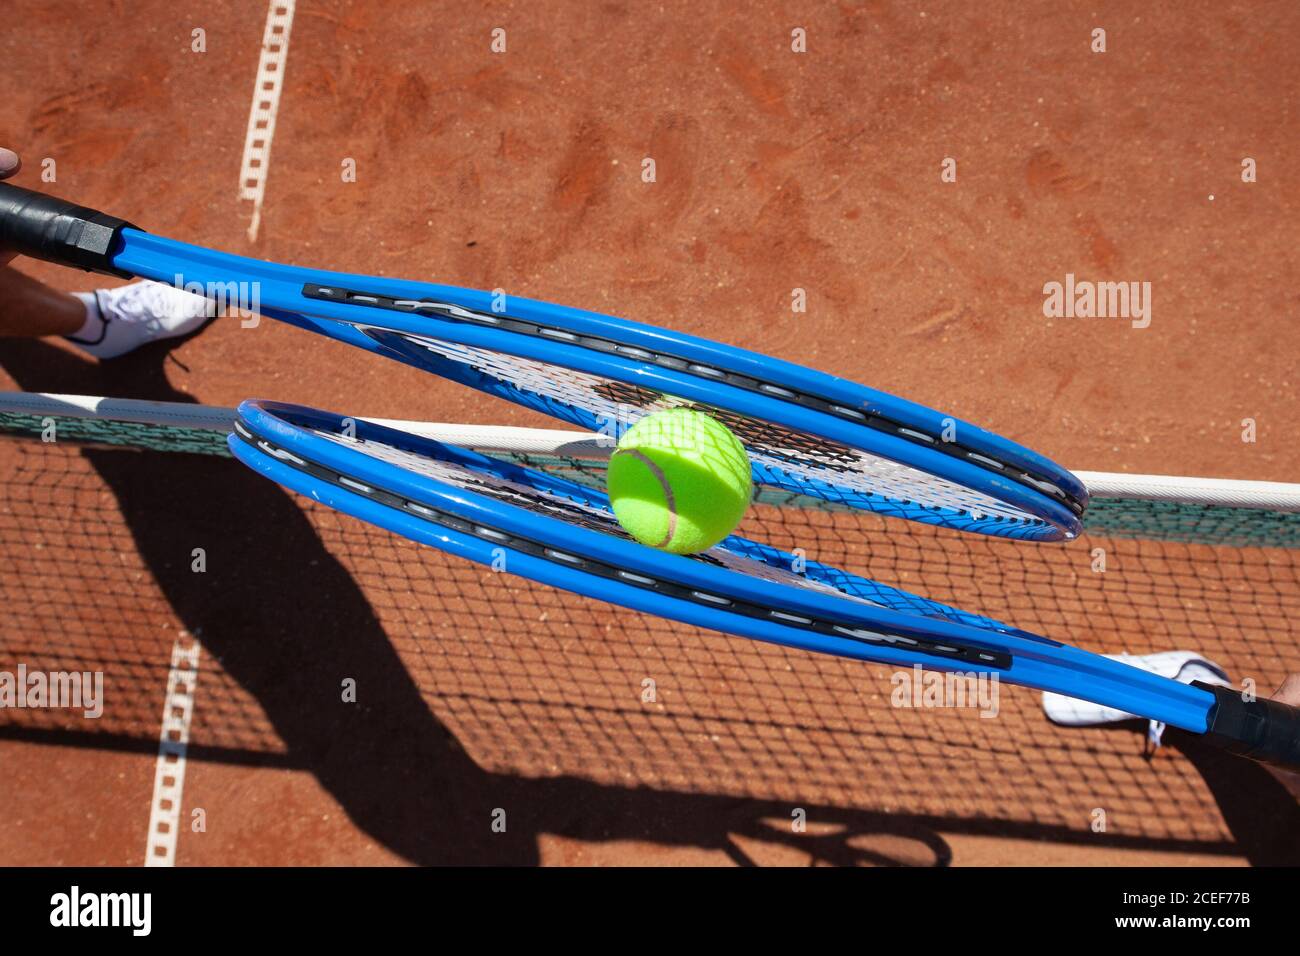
(1264, 730)
(56, 230)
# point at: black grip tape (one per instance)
(1265, 730)
(56, 230)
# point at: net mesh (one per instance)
(100, 533)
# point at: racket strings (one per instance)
(585, 507)
(785, 458)
(714, 371)
(492, 472)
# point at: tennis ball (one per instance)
(679, 481)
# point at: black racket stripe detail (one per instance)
(848, 630)
(456, 313)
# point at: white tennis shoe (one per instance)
(123, 319)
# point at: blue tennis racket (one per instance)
(564, 534)
(804, 431)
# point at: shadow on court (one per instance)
(289, 624)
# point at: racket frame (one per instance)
(279, 441)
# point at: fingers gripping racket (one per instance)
(804, 431)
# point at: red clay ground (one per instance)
(775, 171)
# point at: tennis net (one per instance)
(125, 525)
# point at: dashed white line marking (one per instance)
(266, 103)
(173, 742)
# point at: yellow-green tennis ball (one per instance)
(679, 481)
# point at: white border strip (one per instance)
(117, 409)
(266, 103)
(1270, 495)
(541, 441)
(173, 744)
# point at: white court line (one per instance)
(173, 742)
(266, 103)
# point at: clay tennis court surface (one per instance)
(821, 171)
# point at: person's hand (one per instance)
(9, 164)
(1289, 693)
